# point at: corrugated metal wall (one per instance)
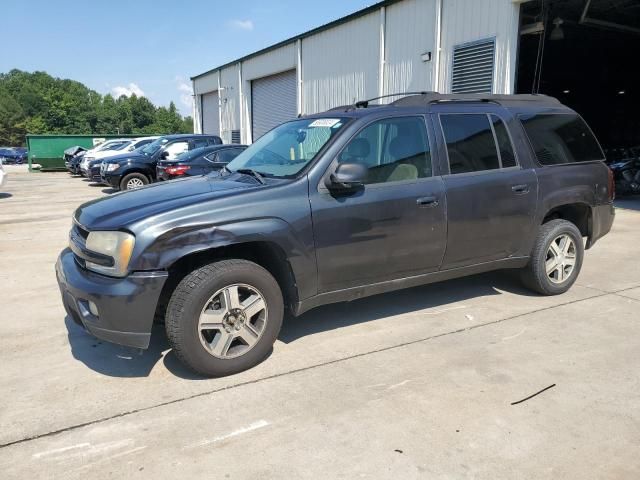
(274, 61)
(466, 21)
(230, 102)
(341, 64)
(210, 113)
(410, 31)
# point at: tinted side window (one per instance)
(214, 141)
(561, 138)
(394, 149)
(470, 143)
(200, 142)
(227, 155)
(507, 155)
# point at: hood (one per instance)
(121, 210)
(109, 154)
(126, 157)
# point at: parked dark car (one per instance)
(626, 171)
(337, 206)
(134, 170)
(200, 161)
(13, 155)
(72, 158)
(74, 163)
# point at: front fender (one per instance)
(172, 245)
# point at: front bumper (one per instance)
(601, 222)
(126, 306)
(111, 179)
(94, 174)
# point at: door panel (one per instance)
(392, 227)
(490, 209)
(378, 234)
(487, 220)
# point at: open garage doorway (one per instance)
(587, 54)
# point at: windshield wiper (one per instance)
(249, 171)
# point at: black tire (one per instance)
(534, 275)
(190, 298)
(127, 179)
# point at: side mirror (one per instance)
(164, 155)
(347, 177)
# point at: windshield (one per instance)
(154, 146)
(104, 146)
(122, 146)
(287, 149)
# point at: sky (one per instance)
(146, 47)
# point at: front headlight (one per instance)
(112, 166)
(117, 245)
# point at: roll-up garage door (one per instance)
(273, 101)
(210, 116)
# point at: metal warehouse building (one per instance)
(566, 48)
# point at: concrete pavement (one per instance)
(417, 383)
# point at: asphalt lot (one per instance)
(413, 384)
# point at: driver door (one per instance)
(393, 227)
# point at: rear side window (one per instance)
(470, 143)
(225, 156)
(200, 142)
(561, 138)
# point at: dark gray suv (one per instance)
(356, 201)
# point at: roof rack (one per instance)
(418, 99)
(434, 97)
(365, 103)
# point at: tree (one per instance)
(39, 103)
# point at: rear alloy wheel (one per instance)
(561, 258)
(556, 258)
(133, 181)
(223, 318)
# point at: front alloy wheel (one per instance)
(232, 321)
(134, 183)
(224, 317)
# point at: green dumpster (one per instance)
(48, 150)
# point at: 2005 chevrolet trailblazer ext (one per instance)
(355, 201)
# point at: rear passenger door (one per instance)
(491, 198)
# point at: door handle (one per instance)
(427, 202)
(520, 189)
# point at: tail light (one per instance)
(611, 185)
(177, 170)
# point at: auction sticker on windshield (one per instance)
(324, 122)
